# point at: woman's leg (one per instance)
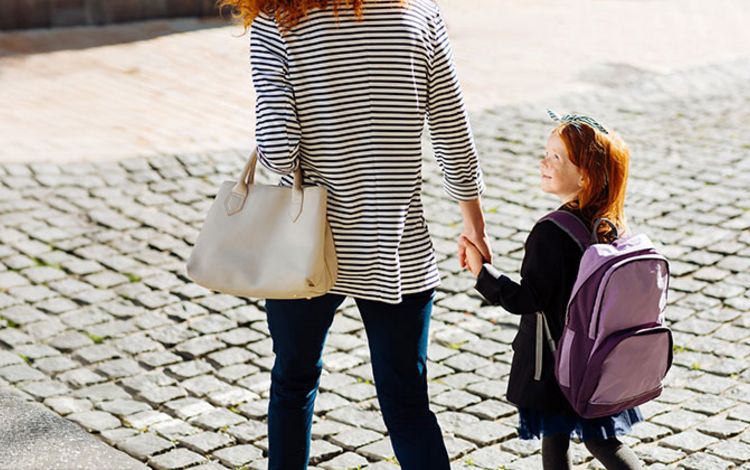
(613, 454)
(298, 329)
(555, 452)
(398, 337)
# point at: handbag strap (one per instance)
(238, 195)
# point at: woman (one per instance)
(343, 89)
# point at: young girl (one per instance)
(587, 168)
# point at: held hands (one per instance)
(473, 252)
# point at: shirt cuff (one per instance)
(489, 283)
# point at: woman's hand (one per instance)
(474, 232)
(473, 258)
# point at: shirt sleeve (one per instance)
(448, 121)
(541, 275)
(277, 130)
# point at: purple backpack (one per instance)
(615, 348)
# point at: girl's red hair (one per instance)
(286, 12)
(603, 160)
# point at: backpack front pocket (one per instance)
(631, 367)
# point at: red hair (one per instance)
(603, 160)
(286, 12)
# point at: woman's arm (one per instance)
(474, 230)
(448, 121)
(277, 130)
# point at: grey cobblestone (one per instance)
(99, 322)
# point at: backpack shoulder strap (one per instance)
(571, 225)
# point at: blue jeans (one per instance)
(397, 336)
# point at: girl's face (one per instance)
(559, 175)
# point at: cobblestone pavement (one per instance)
(99, 322)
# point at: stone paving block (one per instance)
(323, 428)
(54, 365)
(489, 457)
(740, 413)
(206, 442)
(20, 373)
(189, 407)
(457, 447)
(36, 351)
(97, 353)
(456, 399)
(679, 420)
(113, 436)
(230, 356)
(485, 433)
(174, 429)
(159, 395)
(733, 451)
(345, 461)
(176, 460)
(144, 445)
(119, 368)
(44, 389)
(12, 337)
(8, 358)
(80, 377)
(158, 358)
(197, 347)
(123, 408)
(354, 439)
(358, 418)
(357, 392)
(144, 419)
(211, 324)
(203, 385)
(491, 409)
(188, 369)
(249, 431)
(236, 372)
(95, 420)
(521, 448)
(217, 419)
(102, 392)
(704, 461)
(238, 455)
(231, 396)
(254, 410)
(64, 405)
(688, 441)
(321, 451)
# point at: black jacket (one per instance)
(548, 271)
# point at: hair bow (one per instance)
(577, 119)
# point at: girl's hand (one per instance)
(474, 258)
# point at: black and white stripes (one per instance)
(347, 100)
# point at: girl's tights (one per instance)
(612, 453)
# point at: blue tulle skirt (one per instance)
(533, 424)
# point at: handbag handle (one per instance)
(236, 198)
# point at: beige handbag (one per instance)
(263, 241)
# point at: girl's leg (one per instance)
(298, 329)
(613, 454)
(555, 452)
(398, 337)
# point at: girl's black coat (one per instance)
(548, 271)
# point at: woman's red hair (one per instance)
(286, 12)
(603, 160)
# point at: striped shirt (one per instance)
(347, 100)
